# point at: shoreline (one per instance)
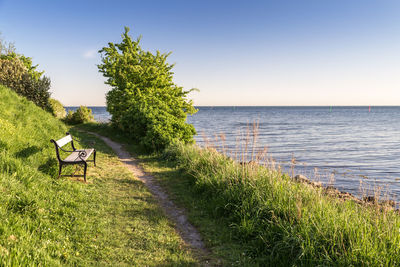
(257, 210)
(368, 199)
(346, 196)
(349, 160)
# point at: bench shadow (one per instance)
(28, 151)
(50, 167)
(3, 145)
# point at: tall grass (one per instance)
(248, 151)
(45, 221)
(283, 222)
(264, 217)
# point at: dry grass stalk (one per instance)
(246, 144)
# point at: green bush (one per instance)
(144, 102)
(11, 72)
(81, 115)
(18, 73)
(57, 108)
(36, 90)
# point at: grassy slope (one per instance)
(112, 220)
(252, 216)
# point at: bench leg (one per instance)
(84, 171)
(94, 157)
(59, 170)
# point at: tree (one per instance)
(18, 73)
(25, 80)
(144, 101)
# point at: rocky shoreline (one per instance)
(346, 196)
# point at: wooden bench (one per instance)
(77, 156)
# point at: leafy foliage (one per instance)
(81, 115)
(32, 69)
(11, 72)
(57, 108)
(18, 73)
(144, 101)
(36, 90)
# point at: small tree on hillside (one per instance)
(18, 73)
(144, 101)
(25, 80)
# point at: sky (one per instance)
(240, 53)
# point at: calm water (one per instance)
(350, 142)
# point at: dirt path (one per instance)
(188, 232)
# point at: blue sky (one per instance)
(319, 52)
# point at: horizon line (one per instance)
(264, 106)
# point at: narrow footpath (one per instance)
(187, 231)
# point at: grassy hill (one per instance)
(31, 201)
(112, 220)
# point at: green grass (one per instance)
(249, 215)
(215, 230)
(45, 221)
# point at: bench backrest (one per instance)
(63, 141)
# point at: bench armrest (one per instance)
(72, 142)
(82, 155)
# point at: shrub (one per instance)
(144, 102)
(57, 108)
(36, 90)
(81, 115)
(18, 73)
(11, 72)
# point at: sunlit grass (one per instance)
(285, 222)
(250, 214)
(45, 221)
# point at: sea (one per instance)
(353, 148)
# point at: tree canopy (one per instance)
(144, 101)
(20, 74)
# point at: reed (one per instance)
(283, 222)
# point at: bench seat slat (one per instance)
(63, 141)
(74, 156)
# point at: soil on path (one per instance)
(187, 231)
